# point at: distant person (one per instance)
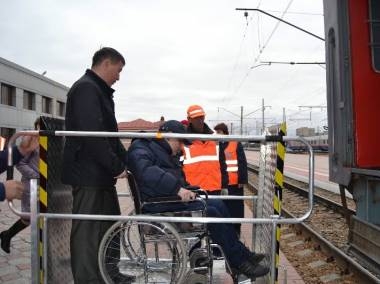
(158, 173)
(203, 162)
(28, 167)
(185, 123)
(12, 189)
(237, 173)
(91, 165)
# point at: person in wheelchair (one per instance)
(156, 168)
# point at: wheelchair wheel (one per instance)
(200, 258)
(196, 278)
(151, 252)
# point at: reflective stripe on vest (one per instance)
(201, 165)
(232, 163)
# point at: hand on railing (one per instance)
(28, 144)
(13, 189)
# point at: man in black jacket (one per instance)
(91, 165)
(158, 173)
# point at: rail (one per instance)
(35, 215)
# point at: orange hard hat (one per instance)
(195, 111)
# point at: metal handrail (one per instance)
(159, 135)
(274, 220)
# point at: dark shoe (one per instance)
(255, 258)
(123, 278)
(5, 241)
(252, 271)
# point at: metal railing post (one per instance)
(45, 252)
(35, 263)
(273, 257)
(254, 227)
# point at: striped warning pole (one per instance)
(43, 168)
(279, 184)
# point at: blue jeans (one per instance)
(223, 234)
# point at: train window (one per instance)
(375, 32)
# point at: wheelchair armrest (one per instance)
(163, 199)
(201, 192)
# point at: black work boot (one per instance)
(252, 271)
(5, 241)
(255, 258)
(6, 236)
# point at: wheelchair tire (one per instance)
(199, 257)
(196, 278)
(148, 251)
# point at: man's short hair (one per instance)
(107, 53)
(222, 127)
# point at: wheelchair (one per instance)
(159, 252)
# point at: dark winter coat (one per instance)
(156, 170)
(3, 166)
(91, 161)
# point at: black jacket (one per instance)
(91, 161)
(3, 166)
(156, 171)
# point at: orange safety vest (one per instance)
(201, 165)
(232, 163)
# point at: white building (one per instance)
(25, 95)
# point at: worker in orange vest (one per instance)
(203, 162)
(237, 173)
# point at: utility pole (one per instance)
(310, 108)
(263, 111)
(283, 115)
(241, 120)
(242, 116)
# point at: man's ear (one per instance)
(106, 62)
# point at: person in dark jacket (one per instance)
(159, 174)
(91, 165)
(12, 189)
(237, 173)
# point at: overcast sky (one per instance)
(180, 53)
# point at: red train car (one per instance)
(352, 32)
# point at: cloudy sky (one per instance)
(180, 53)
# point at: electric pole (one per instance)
(242, 115)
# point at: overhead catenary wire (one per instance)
(262, 50)
(237, 59)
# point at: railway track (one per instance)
(317, 248)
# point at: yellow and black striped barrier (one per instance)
(279, 183)
(43, 168)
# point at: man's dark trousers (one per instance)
(87, 235)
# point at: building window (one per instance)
(46, 105)
(375, 33)
(8, 95)
(7, 132)
(61, 108)
(29, 100)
